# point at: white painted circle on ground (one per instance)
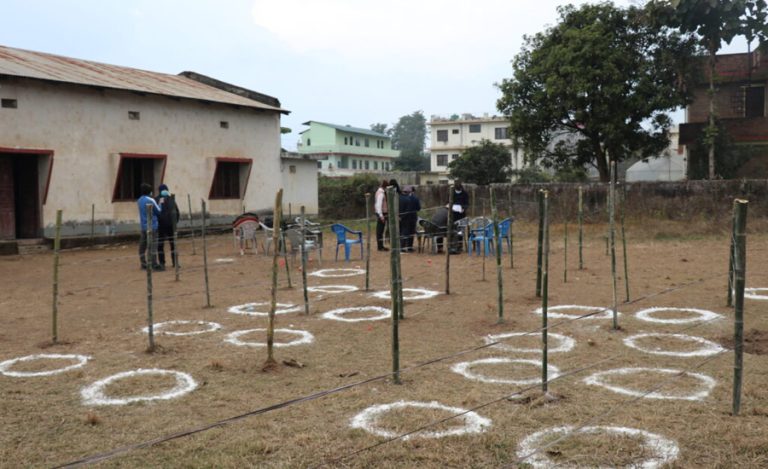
(338, 314)
(417, 294)
(700, 315)
(333, 288)
(335, 273)
(664, 450)
(465, 369)
(566, 343)
(601, 312)
(368, 420)
(225, 260)
(707, 346)
(94, 393)
(708, 383)
(248, 309)
(159, 328)
(5, 366)
(304, 338)
(752, 293)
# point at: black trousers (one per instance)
(165, 234)
(380, 227)
(143, 245)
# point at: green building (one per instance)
(344, 150)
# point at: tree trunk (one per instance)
(602, 165)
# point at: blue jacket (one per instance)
(142, 203)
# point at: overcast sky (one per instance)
(353, 62)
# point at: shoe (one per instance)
(143, 266)
(158, 268)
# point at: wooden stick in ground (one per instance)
(740, 272)
(581, 228)
(447, 247)
(394, 288)
(624, 238)
(484, 240)
(55, 304)
(544, 291)
(150, 262)
(175, 250)
(285, 256)
(205, 259)
(304, 259)
(511, 236)
(278, 215)
(93, 221)
(729, 300)
(191, 224)
(565, 252)
(612, 236)
(497, 242)
(540, 243)
(367, 241)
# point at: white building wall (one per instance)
(299, 182)
(87, 128)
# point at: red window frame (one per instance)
(244, 185)
(125, 156)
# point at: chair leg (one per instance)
(337, 253)
(346, 252)
(361, 251)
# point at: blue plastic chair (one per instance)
(341, 239)
(504, 228)
(482, 235)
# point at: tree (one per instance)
(598, 84)
(380, 128)
(408, 136)
(482, 164)
(714, 22)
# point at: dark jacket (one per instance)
(169, 212)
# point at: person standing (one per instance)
(380, 208)
(409, 216)
(142, 202)
(168, 218)
(460, 201)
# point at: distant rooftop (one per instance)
(465, 117)
(55, 68)
(349, 128)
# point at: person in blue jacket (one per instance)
(144, 200)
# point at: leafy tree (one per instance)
(729, 156)
(380, 128)
(597, 84)
(482, 164)
(408, 136)
(714, 22)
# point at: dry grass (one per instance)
(103, 308)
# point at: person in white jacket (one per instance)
(380, 207)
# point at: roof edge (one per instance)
(234, 89)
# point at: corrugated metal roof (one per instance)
(349, 128)
(42, 66)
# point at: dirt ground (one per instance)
(103, 308)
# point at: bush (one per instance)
(341, 198)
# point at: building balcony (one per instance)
(361, 150)
(742, 130)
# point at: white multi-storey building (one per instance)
(451, 136)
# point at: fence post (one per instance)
(581, 227)
(497, 242)
(394, 288)
(205, 260)
(285, 255)
(540, 241)
(511, 231)
(565, 253)
(175, 250)
(191, 224)
(612, 236)
(447, 247)
(151, 261)
(273, 301)
(367, 241)
(544, 291)
(729, 300)
(55, 305)
(93, 222)
(624, 238)
(740, 271)
(304, 259)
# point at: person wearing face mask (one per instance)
(460, 201)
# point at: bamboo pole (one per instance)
(540, 242)
(150, 262)
(285, 255)
(565, 253)
(55, 304)
(497, 241)
(740, 271)
(394, 288)
(273, 302)
(624, 239)
(205, 259)
(544, 292)
(93, 222)
(448, 232)
(304, 259)
(484, 240)
(175, 250)
(729, 300)
(191, 224)
(612, 236)
(581, 228)
(511, 236)
(367, 241)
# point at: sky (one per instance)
(348, 62)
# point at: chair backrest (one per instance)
(431, 228)
(341, 232)
(264, 227)
(504, 227)
(248, 228)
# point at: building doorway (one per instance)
(23, 181)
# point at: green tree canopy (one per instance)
(380, 128)
(482, 164)
(598, 83)
(408, 136)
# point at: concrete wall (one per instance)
(299, 182)
(87, 128)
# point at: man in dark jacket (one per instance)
(167, 220)
(409, 216)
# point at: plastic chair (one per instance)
(505, 226)
(341, 239)
(311, 243)
(243, 232)
(430, 232)
(481, 234)
(267, 241)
